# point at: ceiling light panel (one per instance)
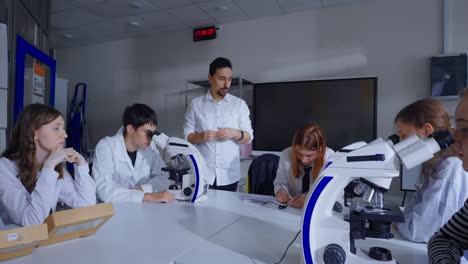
(259, 8)
(159, 18)
(298, 5)
(72, 18)
(167, 4)
(120, 8)
(191, 15)
(223, 11)
(59, 5)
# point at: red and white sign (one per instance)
(38, 85)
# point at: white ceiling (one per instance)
(93, 21)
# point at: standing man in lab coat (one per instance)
(216, 123)
(127, 166)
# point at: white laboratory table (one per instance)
(263, 236)
(224, 229)
(260, 237)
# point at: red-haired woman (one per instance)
(32, 178)
(300, 165)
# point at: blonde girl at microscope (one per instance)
(443, 184)
(300, 165)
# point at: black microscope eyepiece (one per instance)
(444, 138)
(150, 134)
(394, 138)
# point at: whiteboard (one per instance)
(410, 178)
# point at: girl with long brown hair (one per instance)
(32, 177)
(300, 165)
(443, 184)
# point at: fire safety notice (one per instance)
(38, 84)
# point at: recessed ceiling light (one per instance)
(67, 35)
(136, 22)
(136, 4)
(221, 8)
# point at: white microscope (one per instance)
(186, 167)
(329, 236)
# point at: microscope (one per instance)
(186, 167)
(366, 171)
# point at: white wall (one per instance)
(392, 40)
(457, 41)
(458, 24)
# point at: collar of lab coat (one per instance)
(226, 98)
(122, 150)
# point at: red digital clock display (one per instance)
(206, 33)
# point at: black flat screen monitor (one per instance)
(448, 75)
(344, 108)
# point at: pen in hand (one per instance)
(290, 202)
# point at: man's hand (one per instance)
(283, 196)
(201, 137)
(299, 201)
(159, 197)
(208, 135)
(138, 188)
(225, 133)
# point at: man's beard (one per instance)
(220, 93)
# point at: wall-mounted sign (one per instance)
(38, 85)
(206, 33)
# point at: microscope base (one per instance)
(179, 195)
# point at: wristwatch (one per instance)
(242, 136)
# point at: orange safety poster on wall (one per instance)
(38, 85)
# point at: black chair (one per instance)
(262, 173)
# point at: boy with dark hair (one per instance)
(127, 167)
(138, 115)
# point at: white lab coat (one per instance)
(115, 174)
(284, 179)
(433, 205)
(18, 206)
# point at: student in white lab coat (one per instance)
(32, 174)
(300, 165)
(127, 166)
(443, 182)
